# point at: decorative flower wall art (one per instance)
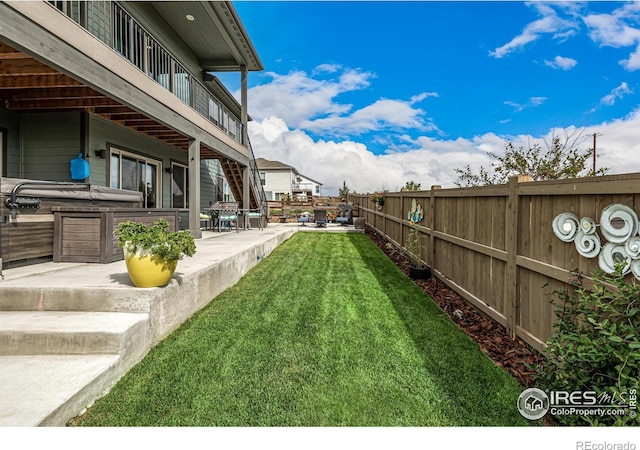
(619, 228)
(416, 213)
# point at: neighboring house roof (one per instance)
(265, 164)
(274, 165)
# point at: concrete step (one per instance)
(41, 390)
(71, 333)
(73, 287)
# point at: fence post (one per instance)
(431, 253)
(511, 276)
(402, 217)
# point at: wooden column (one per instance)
(243, 105)
(246, 173)
(246, 179)
(194, 188)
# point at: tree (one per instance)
(344, 190)
(559, 161)
(411, 186)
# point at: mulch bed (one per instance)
(513, 355)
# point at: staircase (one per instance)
(55, 362)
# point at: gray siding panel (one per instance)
(49, 142)
(210, 171)
(10, 121)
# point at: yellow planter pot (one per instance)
(148, 271)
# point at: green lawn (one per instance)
(326, 331)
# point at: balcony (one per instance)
(110, 23)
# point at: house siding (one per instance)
(210, 170)
(277, 181)
(10, 122)
(49, 142)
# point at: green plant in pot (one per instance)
(418, 270)
(152, 252)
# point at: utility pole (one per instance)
(594, 153)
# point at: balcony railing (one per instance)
(110, 23)
(256, 183)
(302, 186)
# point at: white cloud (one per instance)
(312, 104)
(531, 103)
(517, 106)
(633, 62)
(618, 29)
(384, 113)
(549, 23)
(560, 62)
(296, 97)
(616, 93)
(427, 160)
(328, 68)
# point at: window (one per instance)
(179, 186)
(318, 189)
(263, 178)
(220, 188)
(136, 173)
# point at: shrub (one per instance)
(595, 345)
(157, 238)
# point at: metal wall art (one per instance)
(619, 228)
(416, 213)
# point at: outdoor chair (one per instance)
(249, 214)
(304, 219)
(226, 214)
(207, 219)
(346, 216)
(320, 218)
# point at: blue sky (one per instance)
(380, 93)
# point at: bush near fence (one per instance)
(495, 245)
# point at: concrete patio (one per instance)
(69, 331)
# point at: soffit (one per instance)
(216, 34)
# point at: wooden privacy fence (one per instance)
(495, 245)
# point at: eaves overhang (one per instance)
(214, 32)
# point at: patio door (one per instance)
(136, 173)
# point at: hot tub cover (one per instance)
(76, 191)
